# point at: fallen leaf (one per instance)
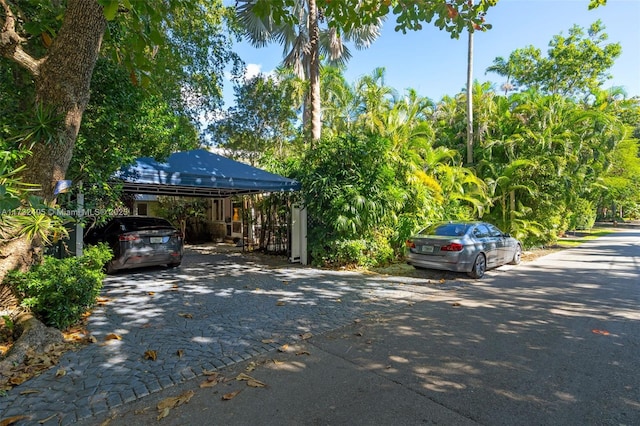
(29, 391)
(456, 304)
(11, 420)
(151, 293)
(283, 348)
(285, 282)
(213, 377)
(303, 353)
(277, 361)
(306, 336)
(112, 336)
(92, 339)
(254, 383)
(47, 419)
(18, 380)
(152, 355)
(265, 341)
(603, 332)
(163, 413)
(280, 303)
(230, 395)
(183, 315)
(250, 367)
(442, 281)
(358, 333)
(210, 372)
(338, 300)
(179, 352)
(357, 321)
(61, 372)
(106, 422)
(243, 376)
(175, 401)
(211, 381)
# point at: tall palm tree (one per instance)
(304, 43)
(470, 98)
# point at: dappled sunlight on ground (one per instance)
(507, 343)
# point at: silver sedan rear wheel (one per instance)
(479, 267)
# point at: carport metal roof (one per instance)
(200, 173)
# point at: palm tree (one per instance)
(470, 98)
(505, 69)
(303, 45)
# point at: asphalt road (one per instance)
(552, 342)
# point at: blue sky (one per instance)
(433, 64)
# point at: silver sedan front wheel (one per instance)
(517, 256)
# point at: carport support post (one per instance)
(303, 236)
(80, 215)
(298, 234)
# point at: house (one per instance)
(227, 187)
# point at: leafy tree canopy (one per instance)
(454, 16)
(262, 120)
(564, 70)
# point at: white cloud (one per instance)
(252, 70)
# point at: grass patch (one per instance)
(574, 239)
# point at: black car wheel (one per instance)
(517, 256)
(174, 265)
(109, 268)
(479, 267)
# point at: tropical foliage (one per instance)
(550, 151)
(550, 157)
(59, 291)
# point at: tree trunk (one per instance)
(62, 80)
(512, 206)
(62, 84)
(470, 100)
(314, 72)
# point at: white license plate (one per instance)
(426, 249)
(156, 240)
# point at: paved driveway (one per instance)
(216, 310)
(551, 342)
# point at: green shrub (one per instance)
(356, 252)
(59, 291)
(583, 215)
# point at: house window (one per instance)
(142, 209)
(217, 210)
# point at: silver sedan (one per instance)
(471, 247)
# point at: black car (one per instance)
(139, 241)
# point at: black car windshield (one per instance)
(446, 230)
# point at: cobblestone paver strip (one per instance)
(214, 311)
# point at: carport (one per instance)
(202, 173)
